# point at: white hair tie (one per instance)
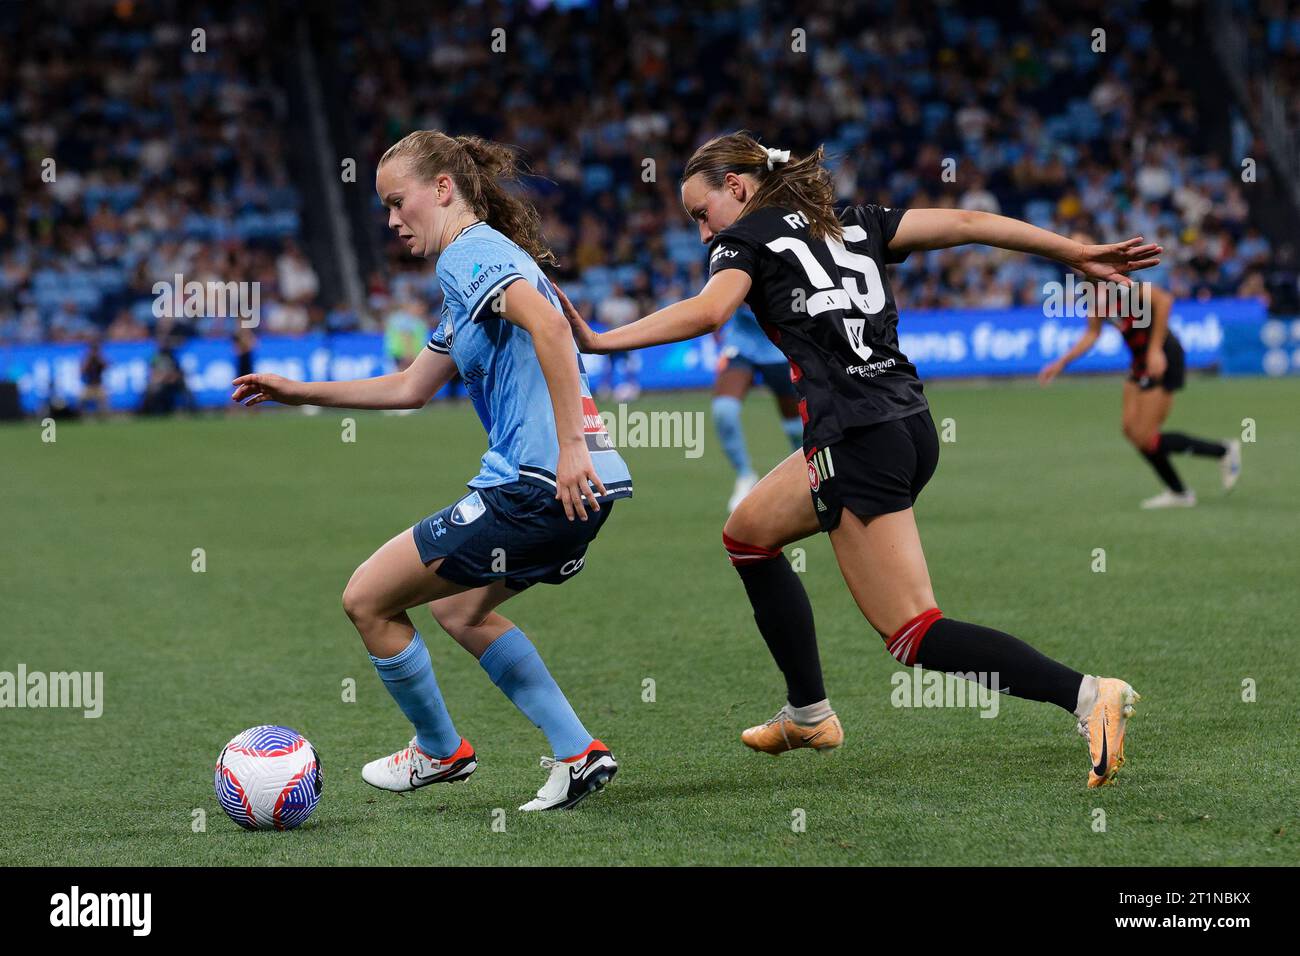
(777, 156)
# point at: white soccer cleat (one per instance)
(744, 485)
(572, 780)
(1170, 499)
(412, 768)
(1230, 464)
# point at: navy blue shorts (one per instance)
(516, 532)
(775, 375)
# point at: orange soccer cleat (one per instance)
(1104, 728)
(780, 733)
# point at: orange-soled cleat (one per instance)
(780, 733)
(1105, 726)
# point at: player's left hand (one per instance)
(1156, 365)
(574, 477)
(1113, 261)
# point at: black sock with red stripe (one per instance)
(784, 617)
(1173, 442)
(1160, 462)
(938, 643)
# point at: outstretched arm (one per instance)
(1078, 350)
(410, 388)
(943, 228)
(706, 312)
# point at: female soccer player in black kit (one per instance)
(1157, 371)
(816, 281)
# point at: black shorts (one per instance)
(775, 375)
(1175, 376)
(516, 532)
(874, 470)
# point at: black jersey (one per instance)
(827, 305)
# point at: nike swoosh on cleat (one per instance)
(419, 781)
(808, 740)
(1100, 769)
(579, 771)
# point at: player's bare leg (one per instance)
(470, 617)
(394, 579)
(385, 586)
(777, 512)
(377, 597)
(1145, 415)
(884, 566)
(1144, 412)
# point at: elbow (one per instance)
(969, 221)
(712, 317)
(412, 399)
(554, 326)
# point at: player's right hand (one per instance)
(1049, 372)
(583, 334)
(265, 387)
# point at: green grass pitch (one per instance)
(100, 527)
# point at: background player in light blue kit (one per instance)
(747, 353)
(546, 486)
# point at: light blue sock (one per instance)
(793, 428)
(726, 418)
(409, 678)
(515, 666)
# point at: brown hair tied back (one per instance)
(481, 169)
(800, 184)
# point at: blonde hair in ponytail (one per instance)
(479, 168)
(800, 184)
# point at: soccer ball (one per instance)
(268, 778)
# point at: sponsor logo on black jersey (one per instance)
(856, 330)
(871, 369)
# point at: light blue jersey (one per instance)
(743, 336)
(499, 366)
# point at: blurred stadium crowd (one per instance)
(174, 162)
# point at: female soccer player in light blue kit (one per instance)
(547, 481)
(747, 352)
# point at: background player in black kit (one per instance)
(1158, 370)
(816, 280)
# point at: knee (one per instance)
(744, 533)
(1141, 438)
(458, 622)
(358, 604)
